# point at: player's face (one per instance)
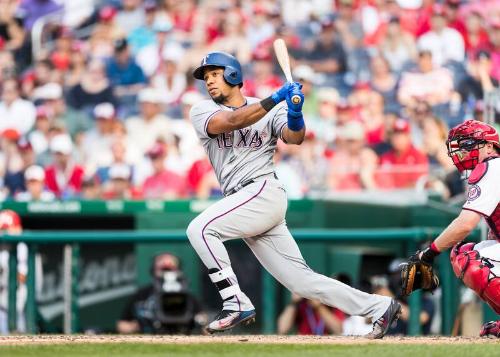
(217, 87)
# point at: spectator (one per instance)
(91, 189)
(308, 78)
(384, 82)
(15, 112)
(131, 16)
(97, 141)
(263, 80)
(327, 54)
(439, 38)
(39, 137)
(165, 306)
(163, 183)
(93, 88)
(169, 80)
(479, 80)
(352, 165)
(475, 36)
(201, 181)
(64, 177)
(119, 186)
(324, 124)
(144, 35)
(120, 152)
(34, 177)
(150, 125)
(433, 85)
(124, 73)
(233, 39)
(403, 165)
(77, 64)
(494, 34)
(398, 47)
(105, 33)
(150, 57)
(20, 150)
(12, 33)
(51, 96)
(310, 317)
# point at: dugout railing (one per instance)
(407, 239)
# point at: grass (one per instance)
(248, 350)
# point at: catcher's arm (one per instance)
(457, 230)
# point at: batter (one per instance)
(239, 135)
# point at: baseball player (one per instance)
(239, 135)
(474, 146)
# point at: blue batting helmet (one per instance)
(232, 68)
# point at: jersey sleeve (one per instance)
(200, 116)
(483, 196)
(279, 120)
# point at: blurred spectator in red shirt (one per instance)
(263, 82)
(494, 33)
(63, 177)
(163, 183)
(353, 164)
(476, 38)
(403, 165)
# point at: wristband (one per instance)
(430, 253)
(295, 120)
(268, 103)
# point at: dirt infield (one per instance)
(259, 339)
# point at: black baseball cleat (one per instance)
(227, 320)
(390, 316)
(491, 328)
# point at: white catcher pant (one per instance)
(256, 214)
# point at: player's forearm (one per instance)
(456, 232)
(294, 137)
(243, 117)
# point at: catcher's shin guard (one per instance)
(476, 273)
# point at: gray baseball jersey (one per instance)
(243, 154)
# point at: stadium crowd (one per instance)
(95, 95)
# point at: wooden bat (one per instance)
(282, 55)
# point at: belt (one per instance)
(246, 183)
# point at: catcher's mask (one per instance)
(465, 140)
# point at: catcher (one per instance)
(474, 147)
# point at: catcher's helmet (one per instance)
(232, 68)
(465, 140)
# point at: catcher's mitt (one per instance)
(416, 274)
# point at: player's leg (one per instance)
(240, 215)
(278, 252)
(478, 266)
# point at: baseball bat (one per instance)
(282, 55)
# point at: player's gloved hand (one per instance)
(295, 89)
(418, 273)
(295, 117)
(281, 93)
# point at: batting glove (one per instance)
(281, 93)
(295, 90)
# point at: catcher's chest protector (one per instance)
(476, 273)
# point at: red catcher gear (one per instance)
(475, 272)
(9, 219)
(465, 140)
